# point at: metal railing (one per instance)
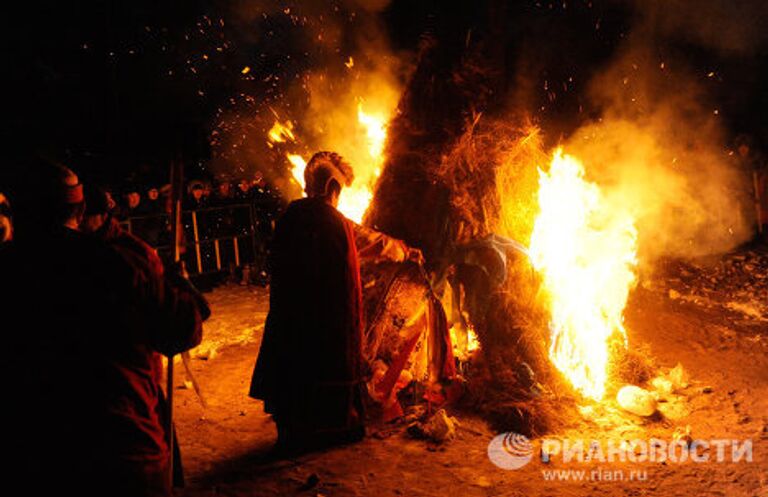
(215, 238)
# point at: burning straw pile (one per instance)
(533, 258)
(480, 216)
(471, 185)
(492, 173)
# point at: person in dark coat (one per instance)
(223, 195)
(132, 204)
(84, 325)
(309, 371)
(147, 266)
(196, 198)
(152, 205)
(243, 192)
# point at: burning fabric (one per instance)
(407, 337)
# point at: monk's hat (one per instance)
(71, 188)
(323, 168)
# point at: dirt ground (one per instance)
(725, 352)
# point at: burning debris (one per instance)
(636, 400)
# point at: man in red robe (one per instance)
(309, 372)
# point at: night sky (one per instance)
(116, 89)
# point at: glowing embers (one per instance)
(464, 340)
(280, 133)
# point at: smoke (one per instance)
(332, 119)
(722, 25)
(313, 66)
(659, 149)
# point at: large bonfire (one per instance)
(583, 247)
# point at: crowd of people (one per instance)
(150, 200)
(226, 213)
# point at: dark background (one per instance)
(117, 89)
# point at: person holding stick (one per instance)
(86, 319)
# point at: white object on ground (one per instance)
(636, 400)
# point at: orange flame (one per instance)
(586, 251)
(280, 132)
(356, 198)
(465, 341)
(376, 132)
(297, 171)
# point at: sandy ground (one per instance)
(725, 352)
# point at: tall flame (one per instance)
(586, 251)
(355, 199)
(376, 133)
(297, 171)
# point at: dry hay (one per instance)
(512, 382)
(453, 176)
(630, 365)
(492, 176)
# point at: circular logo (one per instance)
(510, 450)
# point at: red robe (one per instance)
(309, 368)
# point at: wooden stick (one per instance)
(186, 361)
(197, 243)
(177, 184)
(169, 416)
(758, 203)
(217, 250)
